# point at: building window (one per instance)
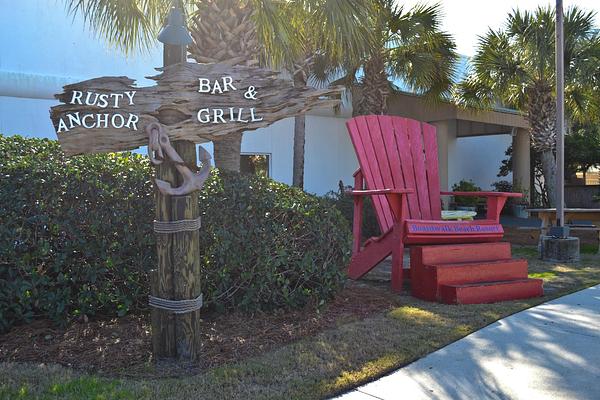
(259, 164)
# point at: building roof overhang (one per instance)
(470, 122)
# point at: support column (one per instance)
(521, 161)
(446, 141)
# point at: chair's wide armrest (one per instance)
(379, 191)
(482, 194)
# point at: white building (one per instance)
(42, 49)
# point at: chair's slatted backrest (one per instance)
(396, 152)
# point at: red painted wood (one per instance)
(358, 213)
(435, 266)
(397, 258)
(410, 240)
(433, 276)
(415, 137)
(381, 158)
(405, 158)
(391, 150)
(444, 254)
(395, 154)
(491, 292)
(373, 178)
(371, 255)
(440, 232)
(480, 271)
(494, 207)
(356, 138)
(483, 194)
(380, 191)
(418, 227)
(398, 205)
(432, 168)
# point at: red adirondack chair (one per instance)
(398, 161)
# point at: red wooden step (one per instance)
(456, 253)
(491, 292)
(445, 254)
(433, 276)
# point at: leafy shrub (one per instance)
(76, 237)
(345, 203)
(466, 186)
(502, 186)
(506, 186)
(267, 244)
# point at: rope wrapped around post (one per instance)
(184, 225)
(176, 306)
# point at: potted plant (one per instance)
(519, 205)
(506, 187)
(466, 203)
(516, 205)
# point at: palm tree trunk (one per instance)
(227, 152)
(225, 32)
(300, 79)
(549, 170)
(541, 114)
(299, 140)
(375, 87)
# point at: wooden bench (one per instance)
(548, 217)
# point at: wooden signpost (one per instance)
(190, 103)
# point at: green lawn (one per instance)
(319, 366)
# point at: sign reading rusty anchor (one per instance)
(159, 145)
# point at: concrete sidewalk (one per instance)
(551, 351)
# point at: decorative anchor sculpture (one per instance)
(159, 145)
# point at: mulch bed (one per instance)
(122, 346)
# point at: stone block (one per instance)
(562, 250)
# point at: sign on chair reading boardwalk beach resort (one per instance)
(195, 102)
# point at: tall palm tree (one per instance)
(515, 67)
(408, 46)
(249, 32)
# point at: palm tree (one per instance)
(249, 32)
(331, 34)
(515, 67)
(327, 30)
(408, 46)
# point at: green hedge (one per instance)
(345, 203)
(76, 237)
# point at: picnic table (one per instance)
(548, 217)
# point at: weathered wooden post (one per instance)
(177, 276)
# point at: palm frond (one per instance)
(126, 25)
